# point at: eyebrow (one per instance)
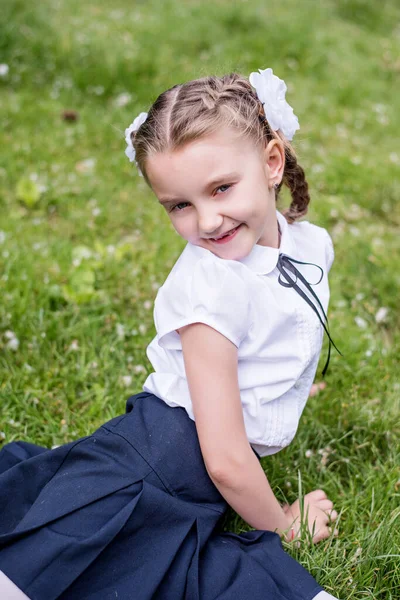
(220, 179)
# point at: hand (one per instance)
(318, 510)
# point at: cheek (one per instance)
(183, 226)
(255, 212)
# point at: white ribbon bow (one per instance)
(130, 150)
(271, 92)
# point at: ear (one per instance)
(274, 155)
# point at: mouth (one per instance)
(226, 237)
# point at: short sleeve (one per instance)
(329, 251)
(214, 294)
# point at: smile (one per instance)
(226, 237)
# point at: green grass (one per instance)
(89, 254)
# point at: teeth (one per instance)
(225, 234)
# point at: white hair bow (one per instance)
(130, 150)
(271, 92)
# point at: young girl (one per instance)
(133, 511)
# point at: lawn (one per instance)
(84, 245)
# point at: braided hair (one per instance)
(197, 108)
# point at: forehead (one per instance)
(174, 172)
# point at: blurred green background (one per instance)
(84, 245)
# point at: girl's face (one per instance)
(218, 192)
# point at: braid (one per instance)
(293, 175)
(294, 178)
(197, 108)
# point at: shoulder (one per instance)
(198, 270)
(202, 288)
(314, 240)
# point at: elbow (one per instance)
(229, 471)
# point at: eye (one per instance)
(178, 207)
(225, 185)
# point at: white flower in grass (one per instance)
(13, 341)
(126, 380)
(271, 92)
(382, 314)
(86, 166)
(362, 323)
(122, 100)
(354, 231)
(134, 126)
(74, 346)
(139, 369)
(120, 331)
(4, 70)
(2, 237)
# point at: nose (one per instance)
(209, 222)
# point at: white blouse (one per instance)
(278, 335)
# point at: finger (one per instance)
(335, 532)
(324, 518)
(325, 504)
(317, 495)
(333, 515)
(321, 495)
(322, 534)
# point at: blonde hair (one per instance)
(189, 111)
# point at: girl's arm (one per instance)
(211, 364)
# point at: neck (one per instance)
(272, 239)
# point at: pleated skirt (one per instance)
(130, 513)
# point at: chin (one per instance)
(234, 253)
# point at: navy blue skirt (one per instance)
(131, 513)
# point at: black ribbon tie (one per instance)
(286, 267)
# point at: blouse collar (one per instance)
(263, 259)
